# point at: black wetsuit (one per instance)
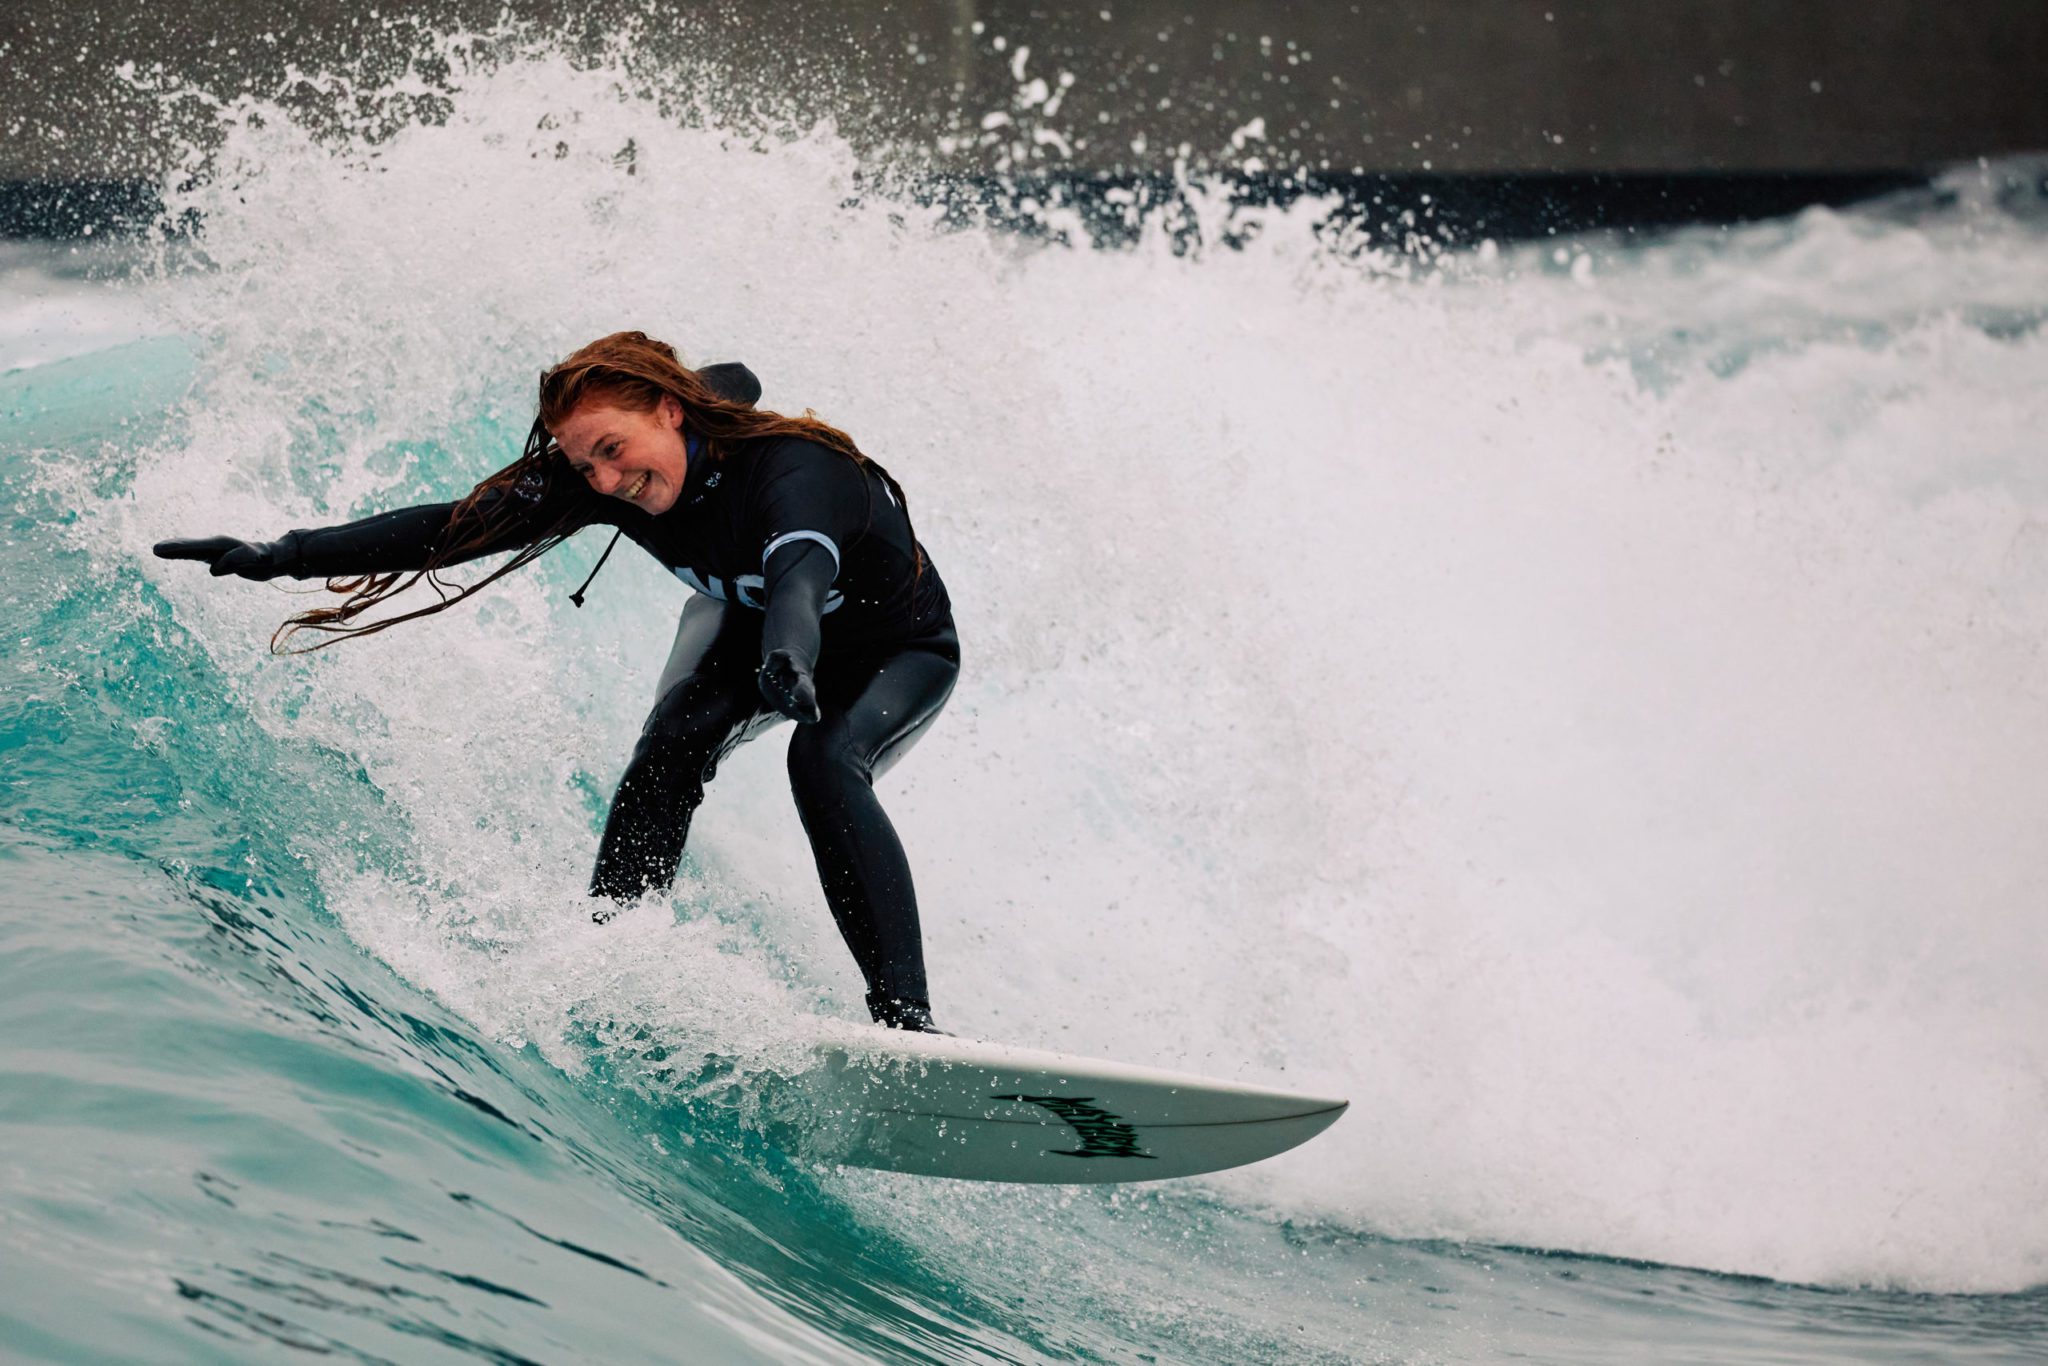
(790, 547)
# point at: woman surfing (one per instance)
(813, 601)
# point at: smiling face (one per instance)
(637, 457)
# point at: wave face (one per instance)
(1581, 702)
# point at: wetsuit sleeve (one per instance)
(808, 506)
(405, 539)
(388, 541)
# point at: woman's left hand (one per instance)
(786, 682)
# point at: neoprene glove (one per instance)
(225, 555)
(786, 683)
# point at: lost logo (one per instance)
(1102, 1133)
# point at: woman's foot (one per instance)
(914, 1016)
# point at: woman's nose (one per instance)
(603, 478)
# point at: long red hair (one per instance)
(629, 370)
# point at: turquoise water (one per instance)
(1581, 703)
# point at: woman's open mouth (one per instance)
(638, 487)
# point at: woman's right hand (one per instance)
(225, 555)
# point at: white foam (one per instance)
(56, 302)
(1588, 718)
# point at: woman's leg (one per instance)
(874, 710)
(706, 704)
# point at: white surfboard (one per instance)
(941, 1106)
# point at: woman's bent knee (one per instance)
(822, 760)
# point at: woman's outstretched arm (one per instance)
(405, 539)
(390, 541)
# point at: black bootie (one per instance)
(891, 1013)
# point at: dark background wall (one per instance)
(1564, 85)
(1453, 120)
(1399, 85)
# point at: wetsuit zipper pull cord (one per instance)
(577, 596)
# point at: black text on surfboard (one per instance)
(1102, 1133)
